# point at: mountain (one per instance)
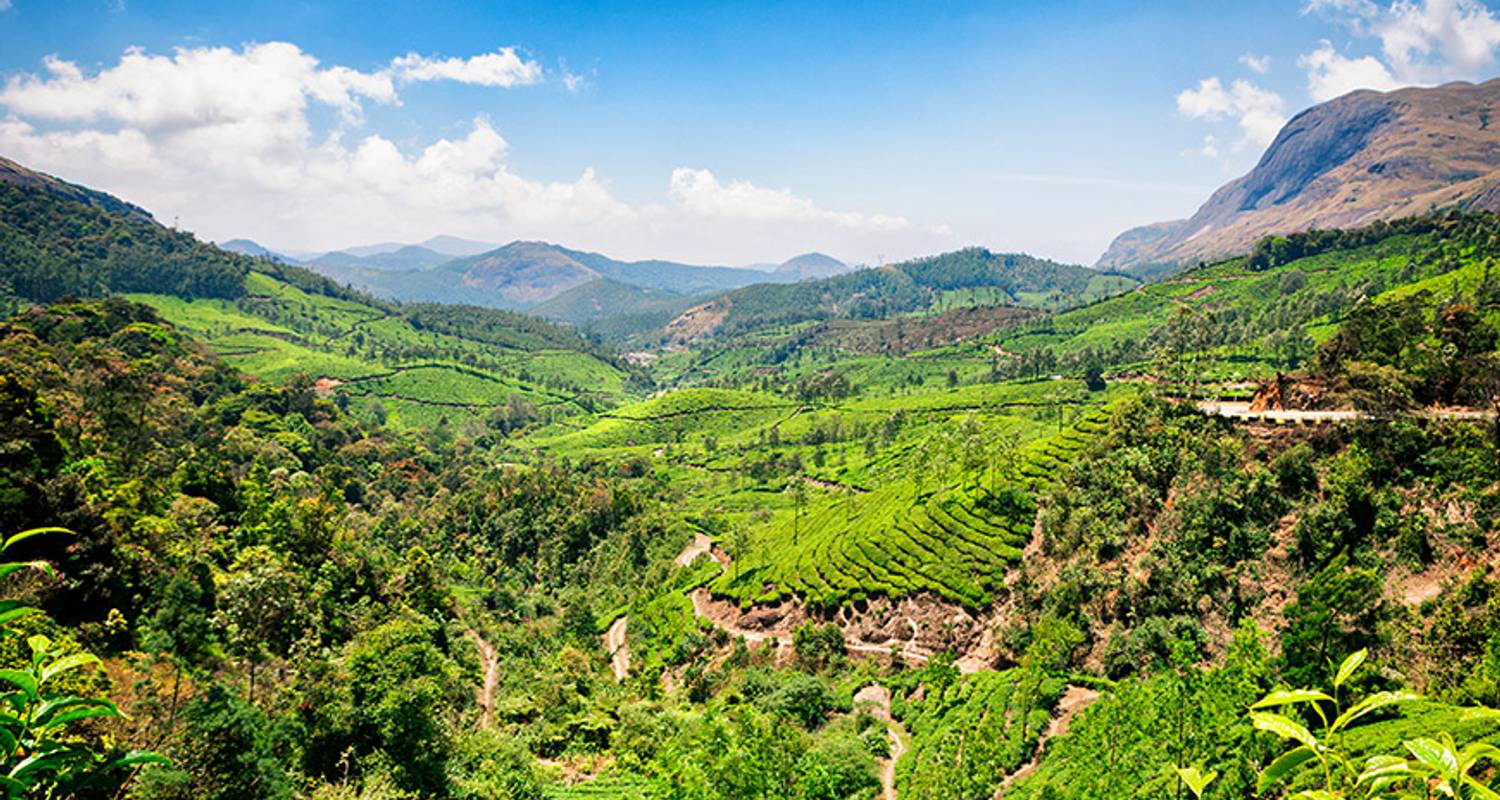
(13, 174)
(406, 257)
(58, 238)
(361, 251)
(451, 246)
(521, 275)
(246, 247)
(686, 279)
(456, 247)
(1357, 159)
(412, 365)
(812, 266)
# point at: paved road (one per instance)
(1239, 410)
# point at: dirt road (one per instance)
(618, 648)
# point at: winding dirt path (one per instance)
(1074, 700)
(486, 692)
(878, 699)
(618, 648)
(698, 546)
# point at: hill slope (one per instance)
(408, 257)
(417, 364)
(973, 276)
(1360, 158)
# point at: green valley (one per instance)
(967, 526)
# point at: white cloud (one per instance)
(1331, 74)
(236, 142)
(1208, 100)
(1422, 42)
(502, 69)
(1210, 147)
(1259, 112)
(699, 192)
(1260, 65)
(267, 84)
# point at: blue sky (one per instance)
(726, 133)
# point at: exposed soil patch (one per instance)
(485, 695)
(697, 322)
(618, 648)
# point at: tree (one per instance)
(797, 489)
(1335, 612)
(398, 681)
(258, 608)
(226, 751)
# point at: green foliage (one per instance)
(818, 646)
(1430, 766)
(43, 752)
(1132, 740)
(228, 751)
(53, 245)
(1338, 608)
(968, 734)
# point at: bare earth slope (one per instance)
(1359, 158)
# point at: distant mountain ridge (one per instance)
(247, 247)
(557, 282)
(1360, 158)
(812, 266)
(409, 256)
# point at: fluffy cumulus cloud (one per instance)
(1421, 43)
(699, 192)
(268, 142)
(1259, 112)
(1331, 74)
(1389, 45)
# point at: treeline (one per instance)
(1474, 230)
(70, 241)
(51, 246)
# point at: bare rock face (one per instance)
(1351, 161)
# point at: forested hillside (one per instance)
(967, 527)
(965, 277)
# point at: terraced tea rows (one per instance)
(907, 537)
